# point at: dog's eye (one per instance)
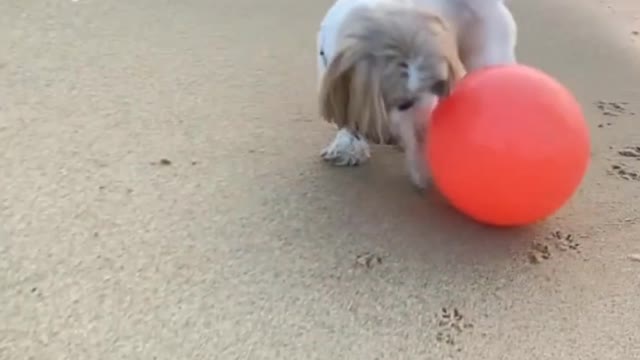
(404, 65)
(406, 105)
(440, 88)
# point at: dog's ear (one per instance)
(447, 38)
(351, 95)
(456, 70)
(334, 89)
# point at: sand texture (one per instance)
(162, 198)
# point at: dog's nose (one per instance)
(440, 88)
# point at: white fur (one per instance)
(408, 127)
(346, 149)
(405, 126)
(413, 80)
(487, 35)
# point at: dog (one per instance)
(383, 65)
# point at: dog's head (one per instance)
(390, 58)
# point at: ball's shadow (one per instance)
(421, 223)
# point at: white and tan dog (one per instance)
(383, 65)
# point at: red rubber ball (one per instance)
(509, 146)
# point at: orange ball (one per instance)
(509, 146)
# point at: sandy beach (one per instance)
(162, 197)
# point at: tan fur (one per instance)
(366, 79)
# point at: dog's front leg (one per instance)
(408, 127)
(348, 148)
(417, 165)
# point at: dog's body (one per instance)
(383, 65)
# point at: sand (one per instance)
(162, 197)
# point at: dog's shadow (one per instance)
(375, 206)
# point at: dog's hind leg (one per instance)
(490, 38)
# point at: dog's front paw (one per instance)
(418, 171)
(346, 149)
(419, 178)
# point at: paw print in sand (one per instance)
(630, 152)
(541, 251)
(621, 169)
(368, 260)
(451, 324)
(623, 172)
(613, 108)
(565, 242)
(538, 253)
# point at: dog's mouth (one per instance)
(406, 105)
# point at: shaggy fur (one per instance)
(383, 65)
(387, 57)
